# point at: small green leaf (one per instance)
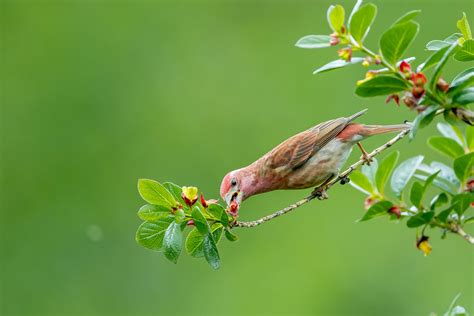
(396, 40)
(150, 212)
(451, 131)
(433, 60)
(173, 242)
(466, 53)
(361, 21)
(463, 166)
(378, 209)
(407, 17)
(436, 45)
(175, 190)
(385, 169)
(438, 200)
(416, 194)
(423, 119)
(381, 85)
(463, 26)
(154, 193)
(215, 210)
(194, 243)
(179, 216)
(336, 64)
(361, 182)
(440, 65)
(210, 251)
(150, 234)
(200, 221)
(420, 219)
(462, 201)
(464, 96)
(314, 41)
(443, 215)
(403, 173)
(470, 137)
(462, 80)
(225, 219)
(335, 17)
(446, 146)
(439, 184)
(217, 230)
(230, 236)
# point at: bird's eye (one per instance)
(233, 182)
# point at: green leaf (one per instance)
(385, 169)
(446, 146)
(362, 20)
(396, 40)
(438, 200)
(433, 60)
(336, 64)
(446, 172)
(416, 194)
(154, 193)
(378, 209)
(225, 219)
(194, 243)
(462, 201)
(464, 96)
(150, 212)
(466, 53)
(403, 173)
(423, 119)
(335, 17)
(354, 10)
(200, 221)
(230, 236)
(451, 131)
(436, 45)
(443, 215)
(173, 242)
(463, 166)
(440, 65)
(462, 80)
(407, 17)
(470, 137)
(361, 182)
(150, 233)
(175, 190)
(314, 41)
(381, 85)
(420, 219)
(210, 251)
(439, 184)
(370, 171)
(215, 210)
(463, 26)
(179, 216)
(451, 306)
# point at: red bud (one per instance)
(393, 97)
(442, 85)
(203, 201)
(405, 67)
(419, 79)
(369, 202)
(418, 92)
(395, 210)
(190, 223)
(334, 39)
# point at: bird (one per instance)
(308, 159)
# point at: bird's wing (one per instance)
(297, 150)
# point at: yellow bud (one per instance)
(425, 247)
(190, 195)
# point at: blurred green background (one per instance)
(96, 94)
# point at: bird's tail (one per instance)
(356, 115)
(382, 129)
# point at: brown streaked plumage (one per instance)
(302, 161)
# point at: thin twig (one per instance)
(325, 187)
(458, 230)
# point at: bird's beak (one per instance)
(233, 195)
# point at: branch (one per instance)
(324, 187)
(458, 230)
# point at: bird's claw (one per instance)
(367, 160)
(345, 180)
(320, 194)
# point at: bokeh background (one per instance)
(96, 94)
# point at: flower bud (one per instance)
(368, 75)
(442, 85)
(423, 245)
(395, 210)
(410, 101)
(405, 68)
(393, 97)
(419, 79)
(334, 39)
(345, 53)
(367, 61)
(417, 92)
(369, 202)
(234, 208)
(190, 222)
(378, 60)
(189, 195)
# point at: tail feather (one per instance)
(356, 115)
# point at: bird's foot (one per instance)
(320, 193)
(345, 180)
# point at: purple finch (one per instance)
(305, 160)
